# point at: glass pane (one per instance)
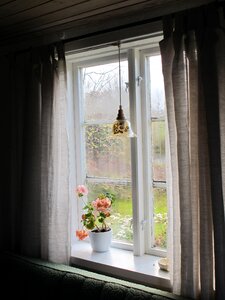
(101, 91)
(106, 157)
(158, 151)
(121, 216)
(160, 217)
(156, 87)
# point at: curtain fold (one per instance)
(37, 219)
(193, 60)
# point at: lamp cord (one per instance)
(119, 73)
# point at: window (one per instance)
(107, 160)
(133, 169)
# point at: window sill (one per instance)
(121, 264)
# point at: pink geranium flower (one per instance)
(81, 234)
(81, 190)
(101, 204)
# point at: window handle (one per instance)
(139, 79)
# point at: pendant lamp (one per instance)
(121, 126)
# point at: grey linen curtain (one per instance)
(36, 215)
(193, 60)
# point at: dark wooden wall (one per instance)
(32, 22)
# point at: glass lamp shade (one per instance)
(122, 127)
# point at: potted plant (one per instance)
(94, 218)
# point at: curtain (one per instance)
(193, 61)
(36, 215)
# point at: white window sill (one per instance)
(121, 264)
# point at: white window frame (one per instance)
(140, 146)
(147, 121)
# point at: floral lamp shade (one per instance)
(122, 127)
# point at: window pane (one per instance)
(101, 91)
(158, 151)
(156, 87)
(105, 156)
(121, 216)
(160, 217)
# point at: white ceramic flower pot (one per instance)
(100, 241)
